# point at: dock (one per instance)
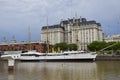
(108, 58)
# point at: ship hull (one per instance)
(33, 56)
(67, 58)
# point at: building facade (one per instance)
(78, 31)
(22, 46)
(112, 38)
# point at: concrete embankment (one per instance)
(107, 58)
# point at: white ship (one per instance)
(65, 56)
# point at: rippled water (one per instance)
(99, 70)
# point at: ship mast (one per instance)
(29, 37)
(47, 36)
(77, 41)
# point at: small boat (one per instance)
(65, 56)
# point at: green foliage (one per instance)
(72, 47)
(98, 45)
(62, 46)
(110, 43)
(110, 52)
(65, 46)
(118, 52)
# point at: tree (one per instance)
(109, 47)
(116, 47)
(97, 45)
(110, 43)
(63, 46)
(72, 47)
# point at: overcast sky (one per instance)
(16, 16)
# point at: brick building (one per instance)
(22, 46)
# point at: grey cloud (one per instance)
(18, 14)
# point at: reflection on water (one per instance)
(61, 71)
(10, 75)
(109, 70)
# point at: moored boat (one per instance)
(65, 56)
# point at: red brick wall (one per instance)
(17, 47)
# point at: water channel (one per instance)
(99, 70)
